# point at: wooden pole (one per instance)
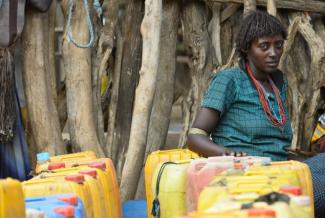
(150, 30)
(271, 8)
(249, 5)
(300, 5)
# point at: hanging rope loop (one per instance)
(89, 24)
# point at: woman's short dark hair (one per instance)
(255, 25)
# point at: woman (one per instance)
(244, 108)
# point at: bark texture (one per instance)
(77, 66)
(249, 5)
(41, 107)
(150, 30)
(300, 5)
(305, 47)
(164, 94)
(130, 65)
(203, 61)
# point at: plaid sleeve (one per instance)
(221, 92)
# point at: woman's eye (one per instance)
(279, 45)
(263, 46)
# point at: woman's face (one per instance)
(265, 53)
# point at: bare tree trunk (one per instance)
(77, 66)
(130, 66)
(229, 11)
(271, 7)
(96, 74)
(305, 80)
(105, 46)
(42, 111)
(249, 5)
(214, 30)
(150, 30)
(51, 51)
(300, 5)
(112, 109)
(227, 32)
(163, 100)
(203, 62)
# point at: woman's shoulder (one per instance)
(231, 73)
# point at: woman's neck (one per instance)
(260, 76)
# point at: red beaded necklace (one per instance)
(265, 105)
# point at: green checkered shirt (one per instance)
(243, 125)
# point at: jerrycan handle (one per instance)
(155, 204)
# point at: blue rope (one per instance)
(89, 24)
(98, 8)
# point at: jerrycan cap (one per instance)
(301, 200)
(44, 156)
(55, 166)
(67, 211)
(78, 178)
(238, 166)
(98, 165)
(71, 199)
(295, 190)
(92, 173)
(256, 212)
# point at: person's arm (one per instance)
(206, 120)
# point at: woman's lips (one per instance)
(272, 64)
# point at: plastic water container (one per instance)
(156, 158)
(48, 204)
(303, 173)
(111, 187)
(252, 213)
(223, 186)
(201, 172)
(168, 187)
(12, 203)
(300, 205)
(105, 174)
(43, 159)
(71, 184)
(91, 180)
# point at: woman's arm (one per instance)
(207, 119)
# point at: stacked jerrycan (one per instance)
(12, 203)
(201, 172)
(55, 206)
(165, 173)
(287, 204)
(182, 183)
(241, 187)
(90, 183)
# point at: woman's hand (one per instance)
(229, 152)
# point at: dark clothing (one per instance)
(14, 160)
(317, 168)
